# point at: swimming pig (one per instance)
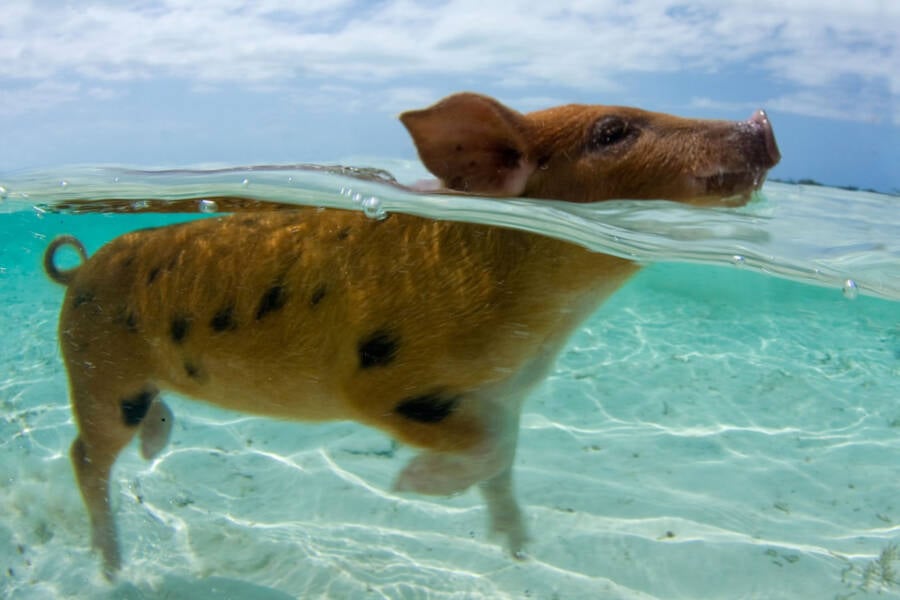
(433, 332)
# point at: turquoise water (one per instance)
(726, 426)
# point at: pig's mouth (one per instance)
(756, 153)
(733, 183)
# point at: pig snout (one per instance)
(762, 128)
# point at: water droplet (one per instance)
(291, 179)
(851, 290)
(115, 180)
(4, 193)
(373, 209)
(357, 198)
(245, 182)
(738, 260)
(63, 183)
(140, 204)
(208, 206)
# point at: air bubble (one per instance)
(738, 260)
(245, 182)
(140, 204)
(373, 209)
(4, 193)
(63, 183)
(357, 198)
(208, 206)
(850, 289)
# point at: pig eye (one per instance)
(608, 131)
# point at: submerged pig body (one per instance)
(431, 331)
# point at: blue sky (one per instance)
(178, 82)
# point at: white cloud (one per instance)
(104, 93)
(40, 96)
(586, 44)
(398, 99)
(867, 109)
(864, 108)
(720, 105)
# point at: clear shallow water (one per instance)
(712, 432)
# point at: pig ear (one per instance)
(473, 144)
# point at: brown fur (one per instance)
(431, 331)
